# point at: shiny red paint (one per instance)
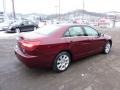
(36, 50)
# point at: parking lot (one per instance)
(99, 72)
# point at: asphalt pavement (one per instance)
(98, 72)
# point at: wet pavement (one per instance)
(98, 72)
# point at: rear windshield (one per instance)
(46, 30)
(16, 23)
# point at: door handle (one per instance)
(91, 39)
(71, 41)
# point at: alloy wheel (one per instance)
(63, 62)
(17, 30)
(107, 48)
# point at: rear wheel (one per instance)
(35, 28)
(107, 48)
(17, 30)
(62, 62)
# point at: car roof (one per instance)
(69, 25)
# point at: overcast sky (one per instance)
(49, 6)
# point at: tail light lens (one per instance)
(29, 45)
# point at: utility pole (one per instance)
(4, 10)
(59, 11)
(83, 8)
(4, 7)
(114, 21)
(13, 9)
(56, 10)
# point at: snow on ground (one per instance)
(4, 35)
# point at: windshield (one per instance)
(47, 29)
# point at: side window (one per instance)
(25, 23)
(75, 31)
(30, 23)
(90, 31)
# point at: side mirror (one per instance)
(100, 34)
(67, 35)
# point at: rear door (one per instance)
(31, 25)
(25, 26)
(78, 43)
(96, 41)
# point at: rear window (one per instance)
(16, 23)
(46, 30)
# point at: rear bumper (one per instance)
(33, 61)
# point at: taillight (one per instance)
(29, 45)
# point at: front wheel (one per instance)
(62, 62)
(107, 48)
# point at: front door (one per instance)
(78, 43)
(96, 41)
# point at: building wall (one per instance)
(1, 17)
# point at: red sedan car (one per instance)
(57, 45)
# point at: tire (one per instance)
(107, 48)
(35, 28)
(17, 30)
(62, 62)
